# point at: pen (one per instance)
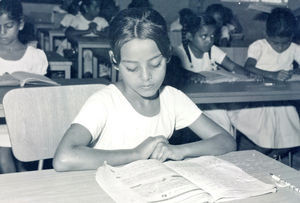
(282, 183)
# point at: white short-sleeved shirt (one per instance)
(67, 20)
(115, 124)
(34, 61)
(79, 22)
(206, 63)
(270, 60)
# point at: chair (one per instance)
(38, 117)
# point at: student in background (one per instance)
(108, 9)
(195, 7)
(273, 125)
(198, 53)
(86, 23)
(15, 56)
(227, 24)
(134, 118)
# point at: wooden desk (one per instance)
(81, 186)
(242, 92)
(51, 33)
(89, 43)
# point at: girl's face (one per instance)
(9, 29)
(142, 67)
(203, 40)
(94, 9)
(280, 44)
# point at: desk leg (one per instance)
(95, 67)
(42, 40)
(80, 50)
(50, 42)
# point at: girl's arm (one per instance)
(229, 65)
(277, 75)
(74, 152)
(215, 141)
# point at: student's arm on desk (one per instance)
(74, 153)
(231, 66)
(215, 141)
(277, 75)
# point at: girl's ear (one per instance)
(189, 36)
(113, 60)
(21, 24)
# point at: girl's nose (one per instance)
(145, 74)
(2, 30)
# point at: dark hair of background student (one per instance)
(281, 23)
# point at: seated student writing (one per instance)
(15, 56)
(276, 124)
(198, 52)
(134, 118)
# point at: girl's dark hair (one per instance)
(140, 4)
(193, 26)
(139, 23)
(13, 8)
(281, 23)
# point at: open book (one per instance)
(20, 78)
(202, 179)
(220, 76)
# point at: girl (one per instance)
(133, 119)
(197, 53)
(15, 56)
(87, 23)
(227, 23)
(273, 125)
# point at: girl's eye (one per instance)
(156, 65)
(131, 69)
(203, 36)
(9, 25)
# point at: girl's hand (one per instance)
(92, 27)
(197, 78)
(145, 149)
(164, 151)
(283, 75)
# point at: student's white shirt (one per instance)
(270, 60)
(67, 20)
(206, 63)
(34, 61)
(115, 124)
(79, 22)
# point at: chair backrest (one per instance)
(38, 117)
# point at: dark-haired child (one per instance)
(134, 118)
(15, 56)
(274, 125)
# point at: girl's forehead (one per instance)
(206, 29)
(4, 17)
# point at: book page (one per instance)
(220, 76)
(151, 181)
(223, 180)
(8, 80)
(32, 78)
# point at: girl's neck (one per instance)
(145, 106)
(14, 45)
(88, 17)
(196, 52)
